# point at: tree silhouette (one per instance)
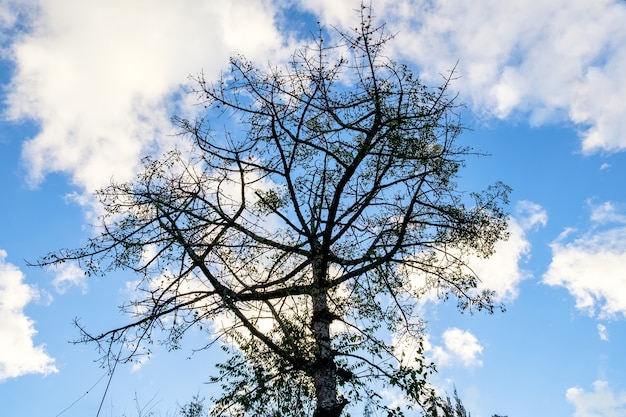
(454, 407)
(302, 232)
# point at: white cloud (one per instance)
(548, 60)
(603, 332)
(591, 268)
(460, 347)
(68, 275)
(607, 212)
(336, 13)
(98, 77)
(10, 12)
(18, 355)
(545, 59)
(602, 402)
(530, 215)
(503, 271)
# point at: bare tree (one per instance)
(302, 232)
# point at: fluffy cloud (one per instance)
(460, 347)
(100, 78)
(503, 271)
(548, 60)
(590, 266)
(545, 59)
(18, 355)
(602, 402)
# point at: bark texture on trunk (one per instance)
(325, 370)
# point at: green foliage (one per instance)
(248, 379)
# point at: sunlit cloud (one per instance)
(504, 270)
(590, 265)
(460, 347)
(18, 355)
(454, 348)
(601, 402)
(546, 61)
(102, 79)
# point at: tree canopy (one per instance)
(302, 232)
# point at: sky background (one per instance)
(88, 88)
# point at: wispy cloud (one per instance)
(18, 355)
(607, 212)
(68, 275)
(602, 401)
(603, 332)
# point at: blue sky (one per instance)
(88, 88)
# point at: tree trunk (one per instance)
(325, 369)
